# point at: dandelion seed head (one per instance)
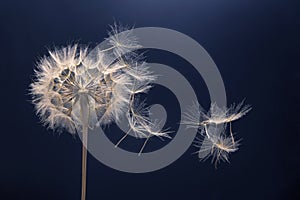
(103, 83)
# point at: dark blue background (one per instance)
(254, 43)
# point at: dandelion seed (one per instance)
(213, 141)
(217, 145)
(197, 116)
(125, 42)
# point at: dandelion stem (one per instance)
(110, 48)
(206, 131)
(122, 138)
(231, 134)
(84, 158)
(144, 145)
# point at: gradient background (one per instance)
(255, 45)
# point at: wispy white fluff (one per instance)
(213, 140)
(104, 80)
(218, 146)
(197, 116)
(125, 42)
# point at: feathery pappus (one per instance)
(213, 141)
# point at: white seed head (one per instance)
(75, 87)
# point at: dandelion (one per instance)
(213, 141)
(76, 91)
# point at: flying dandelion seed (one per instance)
(213, 141)
(75, 91)
(197, 116)
(215, 144)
